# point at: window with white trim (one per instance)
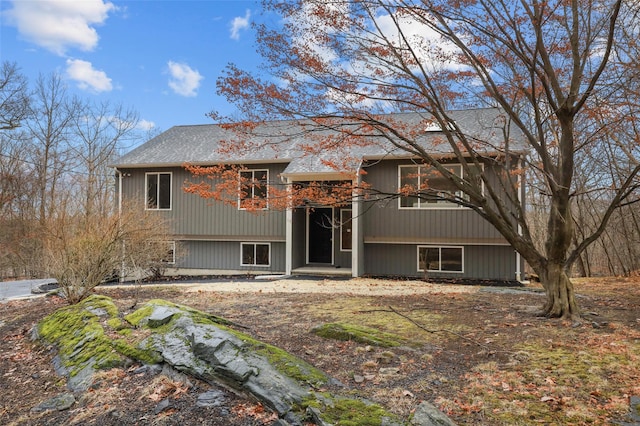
(158, 190)
(170, 253)
(255, 254)
(253, 189)
(163, 251)
(346, 229)
(432, 189)
(440, 259)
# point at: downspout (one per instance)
(119, 192)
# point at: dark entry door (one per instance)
(320, 235)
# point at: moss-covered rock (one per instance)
(358, 333)
(206, 347)
(80, 340)
(79, 334)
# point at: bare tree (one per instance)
(98, 132)
(82, 251)
(341, 65)
(49, 130)
(17, 209)
(14, 96)
(55, 180)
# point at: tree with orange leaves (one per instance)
(552, 67)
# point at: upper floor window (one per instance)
(158, 191)
(253, 189)
(433, 189)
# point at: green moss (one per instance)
(292, 366)
(199, 317)
(357, 333)
(102, 303)
(77, 334)
(146, 356)
(341, 411)
(136, 317)
(116, 324)
(365, 311)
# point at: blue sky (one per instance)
(162, 58)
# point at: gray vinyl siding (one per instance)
(384, 221)
(225, 255)
(211, 232)
(480, 262)
(191, 216)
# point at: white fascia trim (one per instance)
(321, 176)
(439, 243)
(239, 238)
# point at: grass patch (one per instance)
(367, 312)
(357, 333)
(576, 378)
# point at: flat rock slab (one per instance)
(211, 398)
(57, 403)
(160, 316)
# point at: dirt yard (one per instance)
(478, 353)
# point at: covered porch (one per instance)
(324, 239)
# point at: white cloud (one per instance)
(58, 25)
(239, 23)
(87, 77)
(184, 81)
(146, 125)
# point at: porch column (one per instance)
(357, 261)
(288, 246)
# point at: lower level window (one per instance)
(170, 254)
(255, 254)
(440, 259)
(163, 251)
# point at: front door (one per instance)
(320, 235)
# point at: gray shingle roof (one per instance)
(288, 142)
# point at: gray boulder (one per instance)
(215, 353)
(427, 414)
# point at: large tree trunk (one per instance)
(561, 301)
(554, 272)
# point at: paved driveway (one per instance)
(20, 289)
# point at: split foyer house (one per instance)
(397, 236)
